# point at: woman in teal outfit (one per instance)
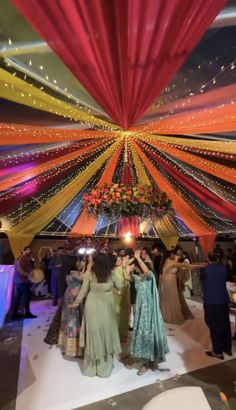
(149, 341)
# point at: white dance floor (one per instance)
(47, 381)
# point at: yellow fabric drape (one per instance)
(229, 147)
(164, 227)
(169, 241)
(167, 232)
(141, 172)
(15, 89)
(22, 234)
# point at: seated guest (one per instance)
(23, 268)
(102, 340)
(216, 307)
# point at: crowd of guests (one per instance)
(107, 299)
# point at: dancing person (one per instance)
(128, 254)
(102, 340)
(122, 302)
(71, 318)
(146, 257)
(23, 268)
(216, 307)
(149, 341)
(60, 324)
(173, 307)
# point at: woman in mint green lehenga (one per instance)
(101, 342)
(149, 341)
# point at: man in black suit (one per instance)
(216, 307)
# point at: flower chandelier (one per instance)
(118, 200)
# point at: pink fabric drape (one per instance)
(124, 52)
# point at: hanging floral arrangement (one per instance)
(118, 200)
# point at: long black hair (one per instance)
(165, 256)
(111, 260)
(101, 268)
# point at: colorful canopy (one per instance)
(108, 107)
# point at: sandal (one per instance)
(143, 369)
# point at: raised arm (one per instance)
(142, 265)
(127, 273)
(188, 265)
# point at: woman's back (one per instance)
(96, 286)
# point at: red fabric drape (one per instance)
(129, 224)
(127, 175)
(209, 198)
(124, 52)
(207, 243)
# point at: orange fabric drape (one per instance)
(207, 242)
(109, 171)
(215, 119)
(84, 225)
(221, 95)
(22, 176)
(15, 134)
(220, 171)
(187, 212)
